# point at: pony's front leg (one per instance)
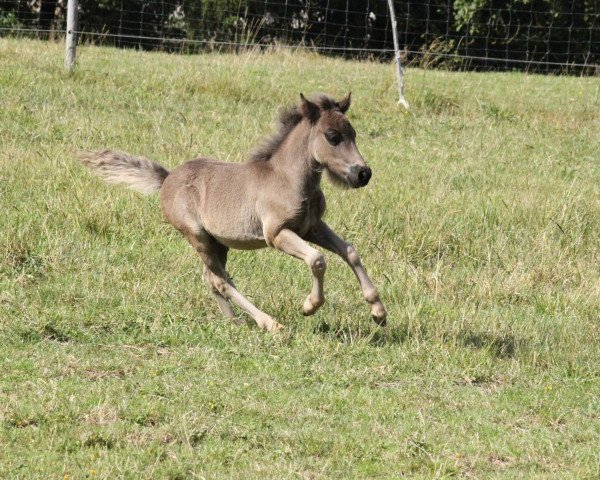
(290, 243)
(325, 237)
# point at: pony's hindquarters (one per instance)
(217, 197)
(138, 173)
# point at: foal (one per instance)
(274, 200)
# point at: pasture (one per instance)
(480, 227)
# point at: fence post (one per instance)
(71, 42)
(399, 68)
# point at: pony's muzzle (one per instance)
(360, 176)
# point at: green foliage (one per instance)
(562, 30)
(8, 20)
(516, 31)
(466, 13)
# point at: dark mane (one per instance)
(288, 119)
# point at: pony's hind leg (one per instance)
(202, 244)
(221, 283)
(222, 302)
(214, 256)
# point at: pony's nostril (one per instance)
(364, 175)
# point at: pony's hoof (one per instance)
(275, 327)
(379, 314)
(268, 323)
(310, 307)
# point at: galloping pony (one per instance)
(274, 199)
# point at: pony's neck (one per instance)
(295, 162)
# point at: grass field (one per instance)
(481, 228)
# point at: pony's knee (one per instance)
(318, 264)
(352, 255)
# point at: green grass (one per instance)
(480, 227)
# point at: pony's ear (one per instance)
(309, 109)
(345, 103)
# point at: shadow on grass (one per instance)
(369, 334)
(50, 332)
(501, 346)
(97, 440)
(21, 422)
(498, 345)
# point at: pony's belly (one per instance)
(241, 243)
(233, 225)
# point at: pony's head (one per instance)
(332, 140)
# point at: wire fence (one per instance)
(544, 36)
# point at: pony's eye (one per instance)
(333, 137)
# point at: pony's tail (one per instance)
(138, 173)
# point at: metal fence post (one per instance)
(71, 34)
(399, 68)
